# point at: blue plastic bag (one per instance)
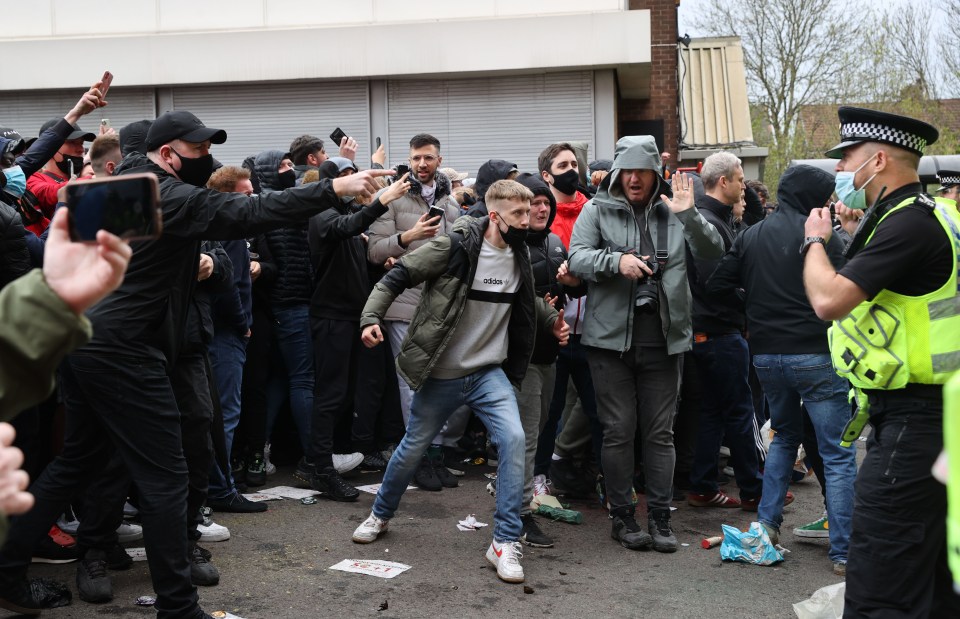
(753, 546)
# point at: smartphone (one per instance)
(402, 169)
(105, 82)
(128, 206)
(105, 123)
(436, 211)
(337, 137)
(378, 142)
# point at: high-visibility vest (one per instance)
(951, 447)
(894, 339)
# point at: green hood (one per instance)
(633, 152)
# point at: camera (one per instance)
(647, 300)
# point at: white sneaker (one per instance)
(210, 531)
(129, 532)
(370, 529)
(506, 558)
(541, 485)
(129, 511)
(347, 462)
(724, 451)
(492, 488)
(267, 465)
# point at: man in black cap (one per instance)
(896, 339)
(64, 165)
(949, 184)
(122, 384)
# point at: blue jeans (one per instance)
(786, 380)
(488, 392)
(295, 345)
(228, 352)
(726, 410)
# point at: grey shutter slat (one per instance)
(258, 117)
(26, 111)
(512, 118)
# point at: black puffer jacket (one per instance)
(288, 245)
(765, 262)
(547, 253)
(14, 257)
(489, 173)
(720, 313)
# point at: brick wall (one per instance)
(662, 104)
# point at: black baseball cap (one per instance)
(181, 125)
(133, 137)
(76, 134)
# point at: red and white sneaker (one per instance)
(370, 529)
(716, 499)
(506, 558)
(542, 485)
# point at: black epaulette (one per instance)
(925, 202)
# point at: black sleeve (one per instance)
(14, 256)
(909, 254)
(42, 151)
(331, 226)
(221, 279)
(726, 277)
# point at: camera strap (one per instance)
(663, 219)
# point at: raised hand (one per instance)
(561, 330)
(682, 185)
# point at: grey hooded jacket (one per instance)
(607, 228)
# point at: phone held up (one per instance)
(435, 211)
(127, 206)
(337, 137)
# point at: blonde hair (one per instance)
(506, 191)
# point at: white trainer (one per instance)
(347, 462)
(370, 529)
(129, 532)
(506, 558)
(210, 531)
(268, 466)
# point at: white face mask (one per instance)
(847, 191)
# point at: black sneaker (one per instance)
(446, 478)
(117, 558)
(373, 462)
(330, 485)
(256, 472)
(48, 551)
(531, 535)
(202, 572)
(93, 582)
(426, 477)
(567, 479)
(626, 531)
(236, 503)
(304, 472)
(663, 538)
(238, 470)
(28, 597)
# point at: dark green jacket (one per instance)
(446, 266)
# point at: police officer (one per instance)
(896, 338)
(949, 184)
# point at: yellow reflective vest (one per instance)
(893, 339)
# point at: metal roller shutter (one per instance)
(258, 117)
(510, 118)
(26, 111)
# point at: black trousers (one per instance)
(192, 386)
(378, 421)
(336, 350)
(897, 564)
(130, 401)
(251, 433)
(102, 507)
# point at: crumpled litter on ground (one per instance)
(470, 524)
(753, 546)
(825, 603)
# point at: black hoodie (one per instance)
(489, 173)
(765, 262)
(547, 253)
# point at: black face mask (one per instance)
(288, 179)
(513, 236)
(566, 183)
(194, 171)
(70, 165)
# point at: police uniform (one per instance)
(948, 180)
(897, 349)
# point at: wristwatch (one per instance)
(810, 240)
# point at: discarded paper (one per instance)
(825, 603)
(470, 524)
(260, 497)
(137, 554)
(380, 569)
(222, 614)
(289, 492)
(373, 488)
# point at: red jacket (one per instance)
(567, 213)
(45, 185)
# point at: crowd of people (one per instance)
(590, 327)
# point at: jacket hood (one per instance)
(634, 152)
(539, 188)
(491, 172)
(803, 188)
(444, 188)
(265, 166)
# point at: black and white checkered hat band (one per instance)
(949, 180)
(881, 133)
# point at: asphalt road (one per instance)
(275, 566)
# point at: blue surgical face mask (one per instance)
(16, 181)
(847, 191)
